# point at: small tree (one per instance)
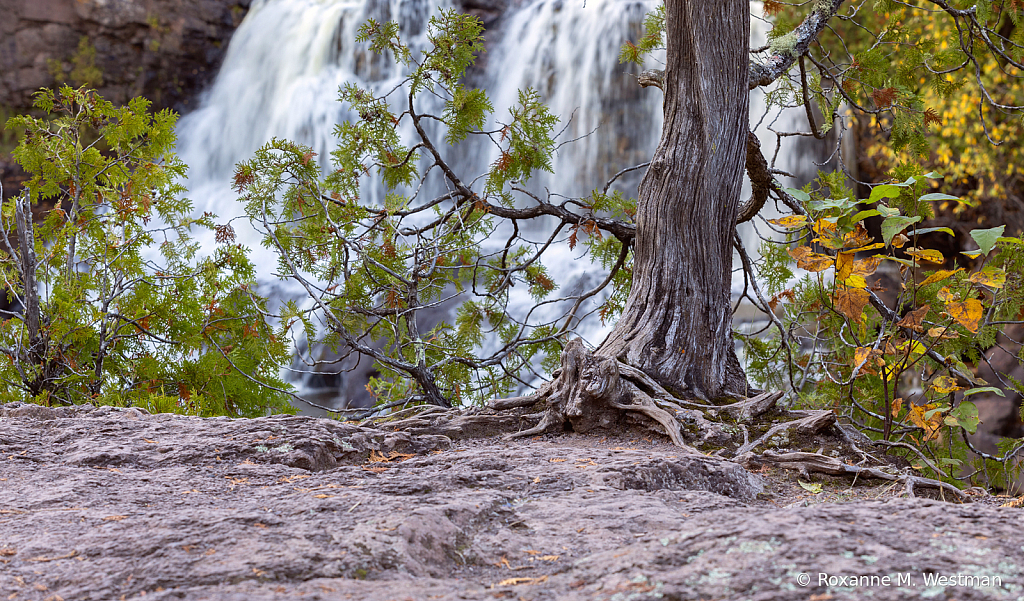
(372, 265)
(115, 307)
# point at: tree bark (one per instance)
(677, 322)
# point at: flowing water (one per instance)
(287, 59)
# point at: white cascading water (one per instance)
(288, 58)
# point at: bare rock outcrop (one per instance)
(165, 50)
(103, 504)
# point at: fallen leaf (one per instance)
(322, 496)
(531, 552)
(548, 558)
(114, 518)
(150, 441)
(556, 460)
(517, 581)
(8, 551)
(812, 487)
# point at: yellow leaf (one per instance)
(850, 301)
(810, 261)
(930, 426)
(863, 353)
(844, 265)
(824, 227)
(869, 247)
(896, 405)
(945, 385)
(946, 295)
(856, 281)
(993, 277)
(791, 222)
(899, 240)
(943, 333)
(938, 276)
(927, 254)
(968, 313)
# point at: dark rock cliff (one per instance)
(165, 50)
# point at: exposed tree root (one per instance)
(591, 392)
(806, 463)
(812, 423)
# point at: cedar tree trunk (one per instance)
(677, 323)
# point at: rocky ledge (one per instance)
(104, 503)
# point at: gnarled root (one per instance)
(591, 393)
(816, 462)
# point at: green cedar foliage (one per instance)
(116, 305)
(373, 268)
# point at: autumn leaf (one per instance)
(945, 385)
(938, 276)
(925, 418)
(993, 277)
(946, 295)
(790, 223)
(850, 301)
(810, 261)
(813, 488)
(899, 241)
(927, 255)
(897, 404)
(943, 333)
(844, 266)
(968, 313)
(914, 319)
(866, 267)
(858, 238)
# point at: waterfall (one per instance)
(286, 61)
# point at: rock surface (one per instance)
(165, 50)
(103, 504)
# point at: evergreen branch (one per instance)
(763, 74)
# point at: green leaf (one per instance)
(939, 196)
(987, 239)
(894, 225)
(864, 215)
(981, 389)
(831, 203)
(929, 230)
(798, 194)
(885, 211)
(965, 416)
(884, 191)
(933, 175)
(812, 487)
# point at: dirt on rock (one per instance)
(107, 504)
